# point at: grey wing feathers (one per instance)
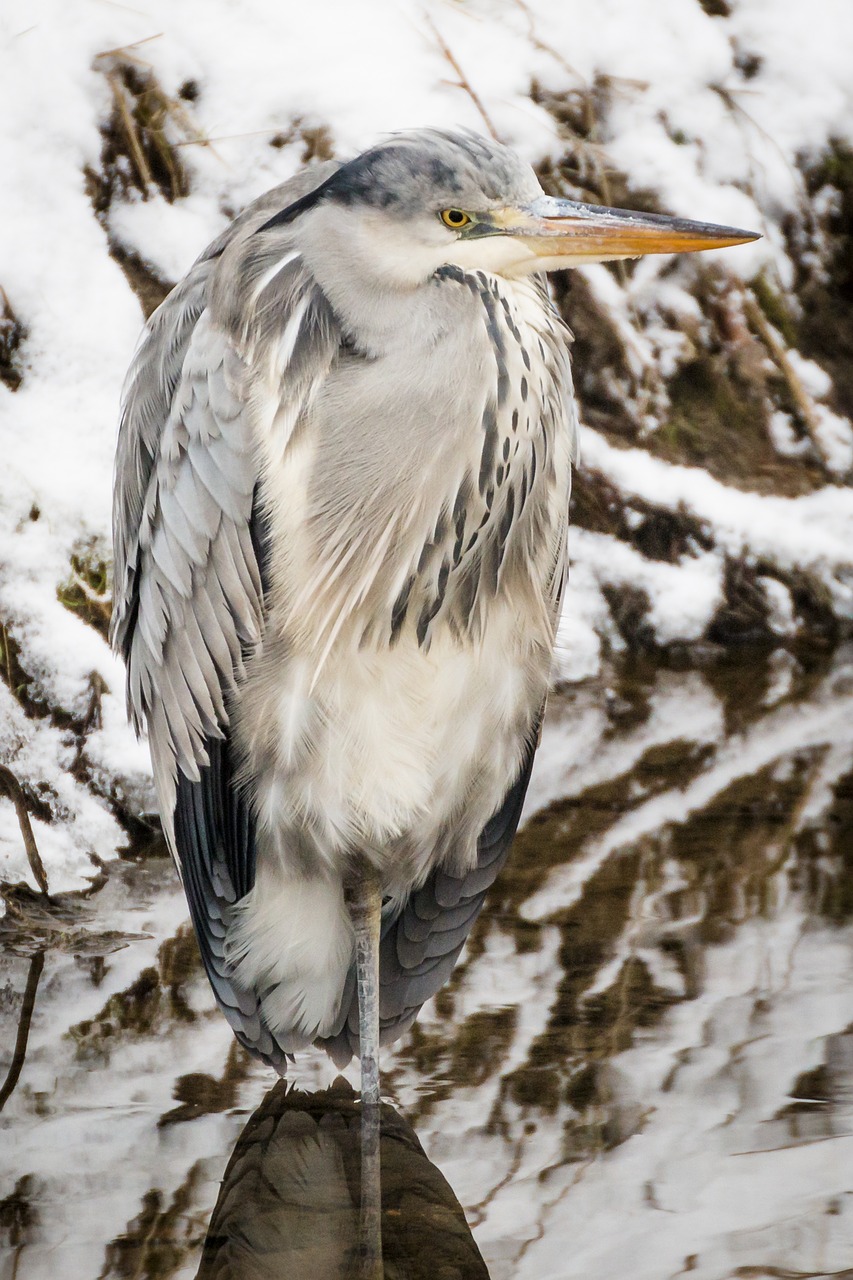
(188, 593)
(215, 835)
(420, 946)
(150, 388)
(189, 582)
(197, 594)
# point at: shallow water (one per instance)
(643, 1065)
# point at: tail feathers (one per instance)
(291, 941)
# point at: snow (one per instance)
(813, 531)
(684, 121)
(781, 606)
(784, 437)
(835, 438)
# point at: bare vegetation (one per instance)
(145, 130)
(316, 140)
(87, 592)
(12, 334)
(11, 787)
(140, 153)
(14, 676)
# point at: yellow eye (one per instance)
(454, 218)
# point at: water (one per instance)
(643, 1065)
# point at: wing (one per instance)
(150, 389)
(189, 541)
(420, 946)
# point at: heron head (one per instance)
(426, 199)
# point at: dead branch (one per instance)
(11, 787)
(463, 81)
(779, 355)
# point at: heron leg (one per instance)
(365, 904)
(364, 899)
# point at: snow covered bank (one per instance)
(129, 137)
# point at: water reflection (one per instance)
(289, 1203)
(22, 1035)
(644, 1052)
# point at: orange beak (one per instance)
(580, 233)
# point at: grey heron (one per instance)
(341, 505)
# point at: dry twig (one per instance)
(463, 82)
(779, 355)
(11, 787)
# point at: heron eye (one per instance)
(454, 218)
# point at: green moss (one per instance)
(775, 308)
(719, 420)
(87, 592)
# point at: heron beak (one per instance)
(576, 233)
